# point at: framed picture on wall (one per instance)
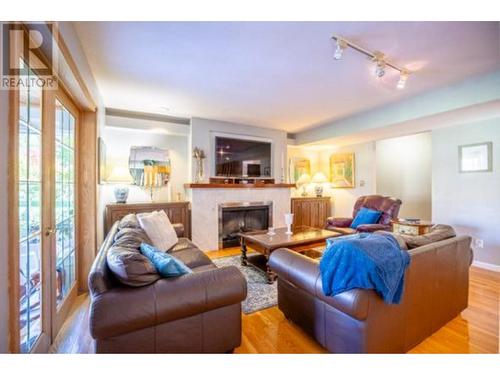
(475, 157)
(342, 170)
(298, 167)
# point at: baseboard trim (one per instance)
(486, 266)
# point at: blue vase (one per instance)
(121, 194)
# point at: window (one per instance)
(65, 201)
(30, 216)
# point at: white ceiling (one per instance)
(277, 74)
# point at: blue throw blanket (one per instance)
(366, 261)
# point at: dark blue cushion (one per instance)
(165, 264)
(366, 216)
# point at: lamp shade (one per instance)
(305, 178)
(319, 178)
(120, 175)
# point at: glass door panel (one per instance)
(64, 201)
(30, 217)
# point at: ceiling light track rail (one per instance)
(377, 57)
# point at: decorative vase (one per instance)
(319, 190)
(200, 174)
(289, 222)
(121, 194)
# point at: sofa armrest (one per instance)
(339, 222)
(373, 227)
(303, 272)
(125, 309)
(179, 229)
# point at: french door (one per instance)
(63, 209)
(45, 138)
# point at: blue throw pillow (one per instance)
(366, 216)
(165, 264)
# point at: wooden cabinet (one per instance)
(177, 212)
(310, 211)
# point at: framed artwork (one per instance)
(342, 170)
(101, 161)
(299, 166)
(475, 157)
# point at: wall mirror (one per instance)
(149, 166)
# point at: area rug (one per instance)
(261, 295)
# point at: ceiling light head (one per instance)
(378, 58)
(403, 77)
(341, 46)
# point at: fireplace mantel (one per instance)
(207, 185)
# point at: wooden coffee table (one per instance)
(303, 240)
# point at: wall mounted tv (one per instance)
(242, 158)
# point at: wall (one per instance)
(468, 201)
(119, 137)
(404, 170)
(202, 136)
(67, 30)
(4, 297)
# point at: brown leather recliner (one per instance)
(195, 313)
(387, 205)
(358, 321)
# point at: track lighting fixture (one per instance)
(341, 46)
(379, 64)
(403, 77)
(377, 57)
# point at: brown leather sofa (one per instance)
(389, 207)
(195, 313)
(358, 321)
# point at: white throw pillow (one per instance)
(159, 229)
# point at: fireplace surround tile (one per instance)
(205, 210)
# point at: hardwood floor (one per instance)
(267, 331)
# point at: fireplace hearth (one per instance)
(238, 217)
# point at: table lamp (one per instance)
(121, 177)
(319, 178)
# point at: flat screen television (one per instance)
(242, 158)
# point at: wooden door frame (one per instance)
(13, 211)
(86, 165)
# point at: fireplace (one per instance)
(237, 217)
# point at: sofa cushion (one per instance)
(183, 244)
(131, 237)
(192, 257)
(159, 229)
(438, 232)
(130, 267)
(401, 242)
(129, 221)
(204, 268)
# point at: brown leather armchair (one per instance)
(389, 207)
